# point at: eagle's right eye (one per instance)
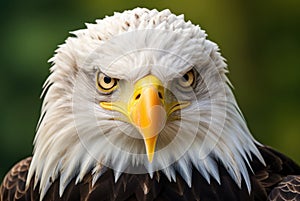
(105, 83)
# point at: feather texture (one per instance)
(128, 46)
(272, 181)
(83, 151)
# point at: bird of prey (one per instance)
(138, 107)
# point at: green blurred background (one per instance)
(259, 39)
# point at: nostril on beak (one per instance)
(160, 95)
(137, 96)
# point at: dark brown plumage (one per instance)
(279, 180)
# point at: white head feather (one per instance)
(72, 139)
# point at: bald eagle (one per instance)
(138, 107)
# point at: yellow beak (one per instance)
(147, 111)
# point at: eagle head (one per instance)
(139, 92)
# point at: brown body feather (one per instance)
(278, 180)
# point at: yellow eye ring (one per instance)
(187, 80)
(105, 83)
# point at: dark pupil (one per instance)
(107, 80)
(186, 77)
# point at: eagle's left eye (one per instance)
(105, 83)
(187, 80)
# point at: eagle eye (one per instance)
(105, 83)
(187, 80)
